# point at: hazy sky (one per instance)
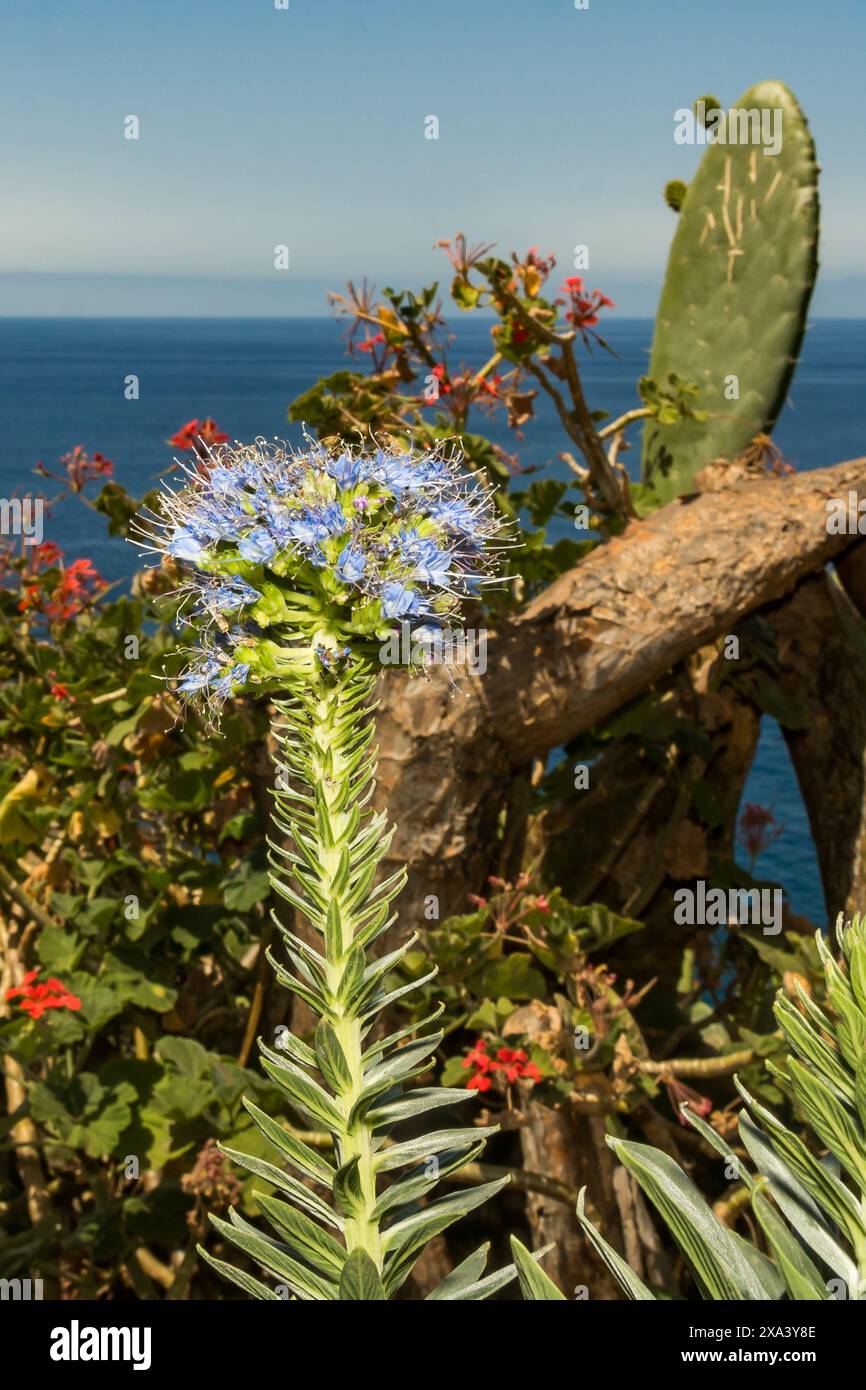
(261, 126)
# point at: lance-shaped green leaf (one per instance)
(307, 1240)
(830, 1120)
(829, 1192)
(634, 1287)
(299, 1154)
(284, 1182)
(808, 1044)
(254, 1287)
(360, 1282)
(276, 1258)
(402, 1241)
(469, 1271)
(718, 1264)
(795, 1201)
(801, 1277)
(534, 1283)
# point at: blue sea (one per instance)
(62, 384)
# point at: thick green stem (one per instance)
(330, 775)
(326, 868)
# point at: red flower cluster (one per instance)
(514, 1065)
(194, 430)
(45, 555)
(81, 467)
(758, 829)
(78, 585)
(470, 386)
(369, 343)
(58, 689)
(584, 304)
(36, 999)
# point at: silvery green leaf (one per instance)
(634, 1287)
(302, 1235)
(801, 1277)
(299, 1154)
(469, 1271)
(713, 1255)
(402, 1107)
(254, 1287)
(806, 1217)
(534, 1283)
(360, 1281)
(275, 1258)
(285, 1183)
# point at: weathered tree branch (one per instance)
(594, 640)
(823, 671)
(637, 606)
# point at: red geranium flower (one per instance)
(478, 1056)
(78, 585)
(205, 430)
(45, 555)
(479, 1082)
(37, 998)
(584, 305)
(513, 1064)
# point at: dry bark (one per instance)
(561, 1144)
(822, 670)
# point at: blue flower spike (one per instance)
(316, 556)
(298, 567)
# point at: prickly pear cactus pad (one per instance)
(734, 302)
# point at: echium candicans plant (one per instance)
(297, 565)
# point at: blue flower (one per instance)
(223, 480)
(234, 593)
(455, 514)
(398, 599)
(345, 470)
(351, 564)
(237, 675)
(431, 564)
(259, 546)
(304, 528)
(398, 474)
(417, 544)
(199, 677)
(333, 518)
(184, 546)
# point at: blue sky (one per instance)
(305, 127)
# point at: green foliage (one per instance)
(111, 815)
(349, 1082)
(740, 275)
(534, 1283)
(809, 1207)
